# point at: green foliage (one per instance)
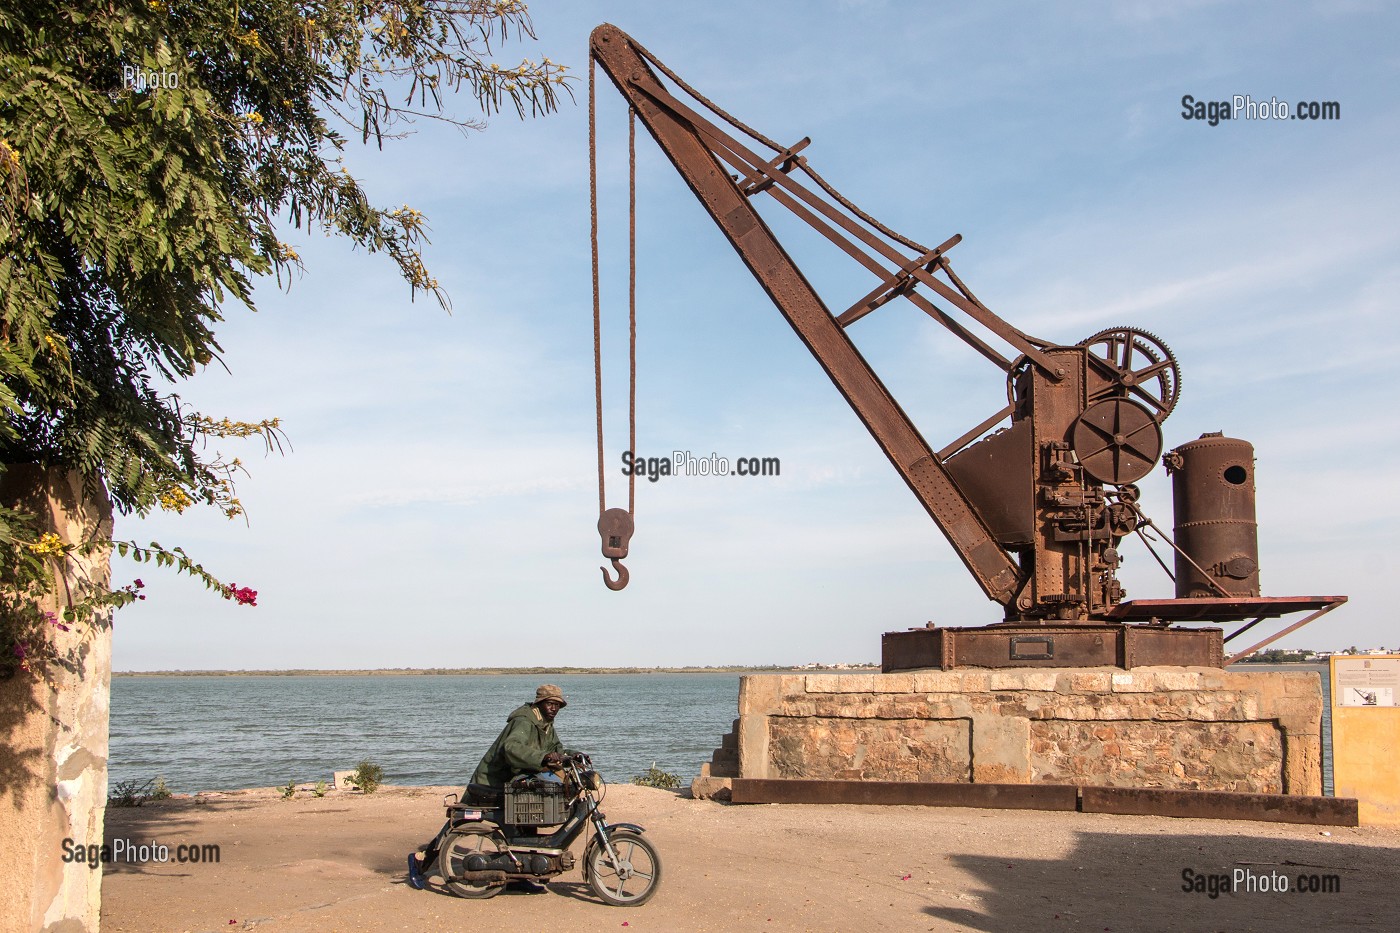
(161, 790)
(133, 213)
(367, 777)
(132, 793)
(289, 791)
(320, 789)
(1278, 656)
(29, 569)
(655, 777)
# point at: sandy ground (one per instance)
(337, 864)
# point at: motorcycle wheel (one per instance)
(633, 879)
(452, 861)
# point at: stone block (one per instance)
(843, 683)
(1302, 683)
(711, 787)
(936, 681)
(872, 749)
(966, 681)
(761, 694)
(1159, 754)
(1131, 682)
(895, 683)
(1000, 749)
(1084, 682)
(753, 746)
(1022, 679)
(1165, 679)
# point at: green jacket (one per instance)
(519, 749)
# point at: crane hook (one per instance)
(615, 525)
(622, 576)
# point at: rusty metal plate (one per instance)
(1197, 804)
(1063, 646)
(1210, 609)
(1007, 646)
(911, 651)
(1153, 646)
(908, 793)
(996, 474)
(1220, 805)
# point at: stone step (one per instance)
(723, 764)
(709, 785)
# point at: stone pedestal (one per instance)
(53, 773)
(1177, 728)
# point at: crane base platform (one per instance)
(1002, 646)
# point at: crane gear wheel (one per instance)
(1139, 365)
(1117, 441)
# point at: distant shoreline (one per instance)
(496, 671)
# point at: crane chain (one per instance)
(615, 538)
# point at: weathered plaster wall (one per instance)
(53, 772)
(1177, 728)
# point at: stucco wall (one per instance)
(1176, 728)
(53, 773)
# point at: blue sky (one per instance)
(438, 506)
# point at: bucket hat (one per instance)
(550, 692)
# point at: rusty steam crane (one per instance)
(1037, 508)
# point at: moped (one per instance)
(523, 832)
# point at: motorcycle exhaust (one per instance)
(521, 863)
(484, 877)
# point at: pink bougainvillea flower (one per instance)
(243, 595)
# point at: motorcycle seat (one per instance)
(484, 795)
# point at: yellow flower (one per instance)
(175, 500)
(9, 158)
(49, 543)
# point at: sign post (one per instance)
(1365, 734)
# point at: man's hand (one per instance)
(552, 760)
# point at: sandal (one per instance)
(416, 881)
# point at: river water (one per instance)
(230, 732)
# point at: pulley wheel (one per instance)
(1134, 364)
(1117, 441)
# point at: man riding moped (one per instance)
(528, 801)
(528, 744)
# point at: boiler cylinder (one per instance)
(1213, 497)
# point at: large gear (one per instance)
(1138, 365)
